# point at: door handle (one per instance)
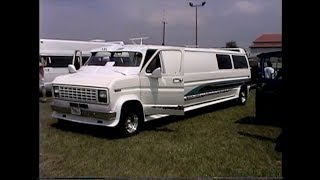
(177, 80)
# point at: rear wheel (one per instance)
(130, 121)
(243, 97)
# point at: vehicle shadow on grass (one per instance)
(266, 121)
(251, 120)
(256, 136)
(278, 141)
(91, 130)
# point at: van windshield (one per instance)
(119, 59)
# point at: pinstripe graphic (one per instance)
(213, 88)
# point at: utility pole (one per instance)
(164, 28)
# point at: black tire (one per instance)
(243, 96)
(130, 121)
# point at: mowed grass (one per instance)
(221, 140)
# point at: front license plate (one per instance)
(75, 110)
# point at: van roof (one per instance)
(60, 52)
(142, 48)
(94, 41)
(234, 49)
(56, 44)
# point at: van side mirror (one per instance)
(72, 68)
(156, 73)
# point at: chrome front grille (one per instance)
(78, 94)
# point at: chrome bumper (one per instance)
(86, 113)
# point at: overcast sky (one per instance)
(219, 21)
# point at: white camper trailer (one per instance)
(58, 54)
(127, 85)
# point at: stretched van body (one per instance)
(58, 54)
(123, 86)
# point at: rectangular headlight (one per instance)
(102, 96)
(56, 91)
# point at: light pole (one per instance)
(164, 32)
(196, 6)
(164, 29)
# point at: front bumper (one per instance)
(86, 113)
(100, 115)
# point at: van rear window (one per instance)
(224, 61)
(239, 62)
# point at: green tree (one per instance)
(231, 44)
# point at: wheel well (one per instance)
(133, 103)
(243, 87)
(241, 99)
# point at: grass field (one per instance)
(221, 140)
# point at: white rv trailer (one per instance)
(126, 85)
(58, 54)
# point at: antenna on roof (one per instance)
(139, 38)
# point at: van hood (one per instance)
(93, 76)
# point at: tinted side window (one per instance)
(59, 61)
(155, 63)
(149, 53)
(84, 59)
(239, 62)
(224, 61)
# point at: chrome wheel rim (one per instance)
(131, 123)
(243, 97)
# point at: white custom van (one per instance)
(125, 85)
(58, 54)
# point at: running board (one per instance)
(157, 116)
(193, 107)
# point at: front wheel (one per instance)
(130, 121)
(243, 97)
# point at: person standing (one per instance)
(42, 64)
(269, 71)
